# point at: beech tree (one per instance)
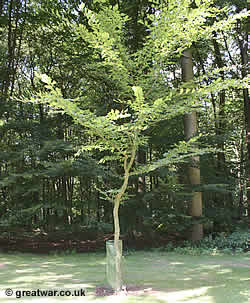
(111, 106)
(121, 131)
(193, 169)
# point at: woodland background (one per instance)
(49, 183)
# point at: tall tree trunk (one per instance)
(221, 115)
(243, 43)
(141, 159)
(193, 170)
(242, 37)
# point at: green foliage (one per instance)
(237, 242)
(115, 70)
(171, 222)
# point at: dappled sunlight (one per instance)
(187, 295)
(160, 277)
(176, 263)
(246, 293)
(224, 271)
(209, 267)
(23, 271)
(244, 279)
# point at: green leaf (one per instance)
(44, 78)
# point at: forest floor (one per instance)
(150, 277)
(36, 241)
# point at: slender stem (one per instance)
(117, 201)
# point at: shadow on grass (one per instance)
(166, 278)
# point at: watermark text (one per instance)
(44, 293)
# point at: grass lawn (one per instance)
(161, 277)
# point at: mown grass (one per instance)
(168, 277)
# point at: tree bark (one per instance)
(242, 37)
(221, 115)
(193, 170)
(244, 59)
(118, 198)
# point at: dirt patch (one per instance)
(34, 242)
(46, 246)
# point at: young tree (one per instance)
(120, 132)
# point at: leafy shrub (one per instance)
(239, 240)
(236, 242)
(225, 219)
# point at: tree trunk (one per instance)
(141, 159)
(221, 115)
(117, 201)
(244, 59)
(193, 170)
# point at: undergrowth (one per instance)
(237, 242)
